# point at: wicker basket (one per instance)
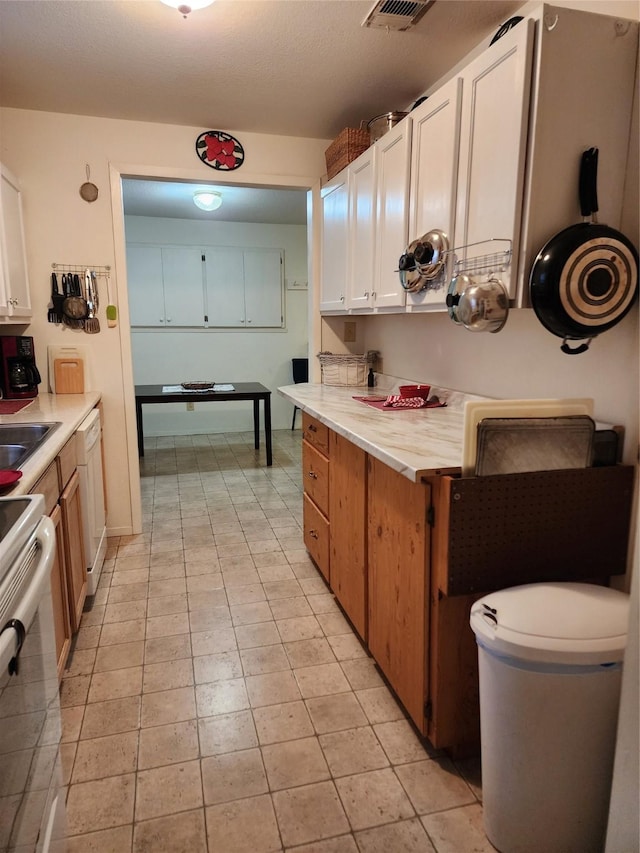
(348, 144)
(345, 369)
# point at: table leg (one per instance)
(256, 424)
(139, 428)
(267, 427)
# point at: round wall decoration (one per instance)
(219, 150)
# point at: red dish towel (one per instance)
(10, 407)
(398, 402)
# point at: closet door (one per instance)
(224, 277)
(182, 274)
(263, 288)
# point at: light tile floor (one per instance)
(217, 701)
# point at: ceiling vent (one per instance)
(396, 14)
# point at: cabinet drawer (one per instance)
(67, 462)
(315, 476)
(315, 433)
(316, 536)
(48, 486)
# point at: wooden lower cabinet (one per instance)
(348, 537)
(61, 621)
(398, 564)
(74, 549)
(316, 535)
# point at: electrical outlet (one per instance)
(190, 407)
(349, 335)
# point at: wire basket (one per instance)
(345, 369)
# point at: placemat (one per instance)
(10, 407)
(380, 405)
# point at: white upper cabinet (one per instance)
(15, 299)
(362, 230)
(434, 176)
(165, 286)
(244, 287)
(493, 135)
(394, 153)
(334, 199)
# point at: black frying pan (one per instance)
(585, 279)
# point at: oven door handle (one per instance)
(25, 607)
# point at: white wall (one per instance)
(259, 355)
(48, 153)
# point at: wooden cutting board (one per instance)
(69, 375)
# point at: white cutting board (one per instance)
(477, 410)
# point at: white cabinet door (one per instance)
(394, 152)
(493, 136)
(144, 275)
(334, 260)
(182, 276)
(224, 277)
(263, 288)
(362, 230)
(15, 300)
(434, 173)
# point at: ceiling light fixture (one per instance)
(185, 8)
(207, 199)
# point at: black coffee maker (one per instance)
(19, 376)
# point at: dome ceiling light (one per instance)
(207, 199)
(186, 8)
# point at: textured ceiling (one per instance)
(293, 67)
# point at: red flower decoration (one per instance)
(219, 150)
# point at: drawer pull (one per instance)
(313, 534)
(313, 475)
(313, 428)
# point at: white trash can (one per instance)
(550, 660)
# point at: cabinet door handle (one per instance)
(313, 534)
(168, 319)
(313, 428)
(249, 320)
(313, 475)
(366, 294)
(342, 299)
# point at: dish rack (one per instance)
(346, 369)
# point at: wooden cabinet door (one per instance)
(398, 560)
(316, 535)
(334, 199)
(362, 230)
(348, 514)
(15, 299)
(224, 277)
(61, 620)
(74, 549)
(144, 276)
(434, 175)
(392, 214)
(493, 141)
(263, 288)
(182, 277)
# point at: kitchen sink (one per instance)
(19, 441)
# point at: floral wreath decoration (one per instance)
(219, 150)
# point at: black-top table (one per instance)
(243, 391)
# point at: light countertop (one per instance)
(67, 409)
(416, 443)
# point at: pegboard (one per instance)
(540, 526)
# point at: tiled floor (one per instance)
(217, 701)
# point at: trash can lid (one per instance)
(573, 623)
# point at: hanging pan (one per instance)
(585, 279)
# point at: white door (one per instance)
(144, 274)
(15, 300)
(182, 276)
(362, 230)
(224, 276)
(392, 217)
(334, 198)
(263, 288)
(493, 135)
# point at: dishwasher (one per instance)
(92, 497)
